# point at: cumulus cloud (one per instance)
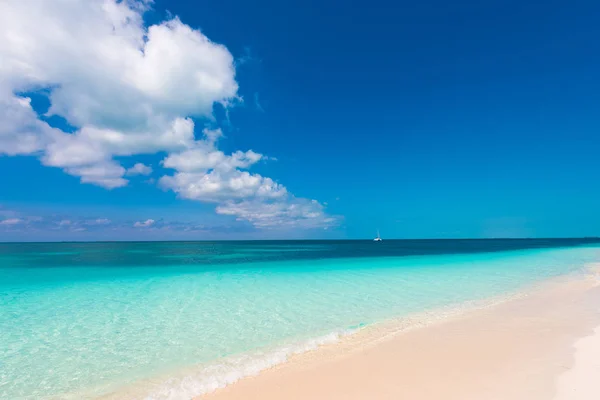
(204, 173)
(139, 169)
(20, 130)
(145, 224)
(204, 156)
(214, 186)
(126, 88)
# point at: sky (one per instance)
(182, 120)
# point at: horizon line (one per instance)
(296, 240)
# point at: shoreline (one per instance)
(227, 378)
(514, 346)
(350, 339)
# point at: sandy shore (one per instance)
(540, 346)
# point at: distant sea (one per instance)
(171, 320)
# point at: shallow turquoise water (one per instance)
(82, 320)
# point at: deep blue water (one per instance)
(131, 254)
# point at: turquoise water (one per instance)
(174, 320)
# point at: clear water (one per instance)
(173, 320)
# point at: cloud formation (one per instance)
(126, 89)
(206, 174)
(145, 224)
(292, 213)
(139, 169)
(21, 225)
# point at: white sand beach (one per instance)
(544, 345)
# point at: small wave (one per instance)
(211, 377)
(207, 378)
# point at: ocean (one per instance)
(173, 320)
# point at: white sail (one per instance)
(378, 238)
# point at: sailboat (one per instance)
(378, 238)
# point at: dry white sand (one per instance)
(582, 381)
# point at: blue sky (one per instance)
(299, 120)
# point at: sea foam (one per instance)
(215, 376)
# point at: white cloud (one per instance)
(139, 169)
(205, 173)
(108, 174)
(126, 88)
(20, 130)
(11, 221)
(203, 156)
(215, 186)
(293, 212)
(147, 223)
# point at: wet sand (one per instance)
(534, 347)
